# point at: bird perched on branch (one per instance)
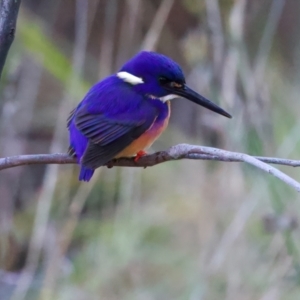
(122, 115)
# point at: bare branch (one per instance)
(8, 19)
(181, 151)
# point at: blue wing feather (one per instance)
(102, 129)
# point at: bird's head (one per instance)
(158, 76)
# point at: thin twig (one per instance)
(217, 35)
(8, 19)
(181, 151)
(44, 202)
(157, 25)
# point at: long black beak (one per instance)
(191, 95)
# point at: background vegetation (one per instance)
(180, 230)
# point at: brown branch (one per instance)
(8, 19)
(182, 151)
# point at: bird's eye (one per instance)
(163, 80)
(173, 84)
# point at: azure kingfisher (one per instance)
(122, 115)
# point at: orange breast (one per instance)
(146, 139)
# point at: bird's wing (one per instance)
(70, 118)
(111, 122)
(109, 136)
(102, 129)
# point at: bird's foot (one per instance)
(139, 155)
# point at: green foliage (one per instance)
(48, 53)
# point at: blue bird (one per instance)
(122, 115)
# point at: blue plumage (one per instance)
(151, 67)
(127, 110)
(110, 110)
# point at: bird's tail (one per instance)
(85, 174)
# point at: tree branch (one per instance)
(8, 20)
(181, 151)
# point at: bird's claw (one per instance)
(139, 155)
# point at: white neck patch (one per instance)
(129, 78)
(164, 98)
(168, 97)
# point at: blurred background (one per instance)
(180, 230)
